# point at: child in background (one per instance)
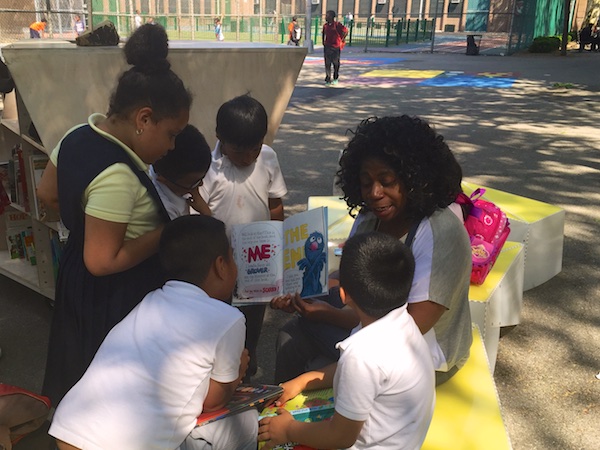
(381, 401)
(244, 184)
(178, 353)
(179, 173)
(219, 30)
(36, 29)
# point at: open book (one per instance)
(244, 398)
(308, 406)
(276, 258)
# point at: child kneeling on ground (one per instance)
(178, 353)
(384, 382)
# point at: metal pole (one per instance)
(565, 33)
(308, 42)
(434, 24)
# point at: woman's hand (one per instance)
(312, 308)
(283, 303)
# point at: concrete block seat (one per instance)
(538, 225)
(467, 413)
(494, 304)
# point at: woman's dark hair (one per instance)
(242, 121)
(426, 167)
(190, 154)
(150, 82)
(377, 271)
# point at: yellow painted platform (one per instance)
(467, 413)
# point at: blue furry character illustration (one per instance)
(312, 264)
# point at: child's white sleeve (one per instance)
(229, 350)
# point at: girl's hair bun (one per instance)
(147, 49)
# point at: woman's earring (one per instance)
(140, 131)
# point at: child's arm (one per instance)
(276, 208)
(340, 432)
(198, 203)
(47, 189)
(220, 393)
(316, 379)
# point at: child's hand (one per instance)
(290, 389)
(273, 430)
(283, 303)
(198, 203)
(244, 361)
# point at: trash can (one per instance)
(473, 42)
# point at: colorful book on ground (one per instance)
(309, 406)
(244, 398)
(276, 258)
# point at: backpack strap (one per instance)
(411, 234)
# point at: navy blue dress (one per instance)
(87, 306)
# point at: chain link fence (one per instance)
(16, 17)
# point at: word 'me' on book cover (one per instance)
(276, 258)
(309, 406)
(244, 398)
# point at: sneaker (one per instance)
(328, 83)
(334, 82)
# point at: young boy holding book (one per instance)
(380, 402)
(180, 352)
(244, 184)
(179, 173)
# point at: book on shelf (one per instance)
(4, 186)
(245, 397)
(37, 164)
(22, 195)
(19, 236)
(308, 406)
(276, 258)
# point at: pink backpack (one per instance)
(488, 228)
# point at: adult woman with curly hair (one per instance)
(97, 176)
(399, 175)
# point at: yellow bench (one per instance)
(467, 413)
(539, 226)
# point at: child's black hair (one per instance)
(150, 82)
(190, 244)
(377, 271)
(242, 121)
(190, 154)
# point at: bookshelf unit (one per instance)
(24, 212)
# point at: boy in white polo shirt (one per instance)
(178, 353)
(244, 184)
(384, 382)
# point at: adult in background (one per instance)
(333, 36)
(97, 175)
(36, 29)
(402, 178)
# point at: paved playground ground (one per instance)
(527, 124)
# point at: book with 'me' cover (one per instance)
(275, 257)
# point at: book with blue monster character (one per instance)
(276, 258)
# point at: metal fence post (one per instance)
(351, 26)
(417, 31)
(407, 29)
(388, 27)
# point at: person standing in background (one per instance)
(137, 20)
(79, 26)
(36, 29)
(333, 36)
(219, 30)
